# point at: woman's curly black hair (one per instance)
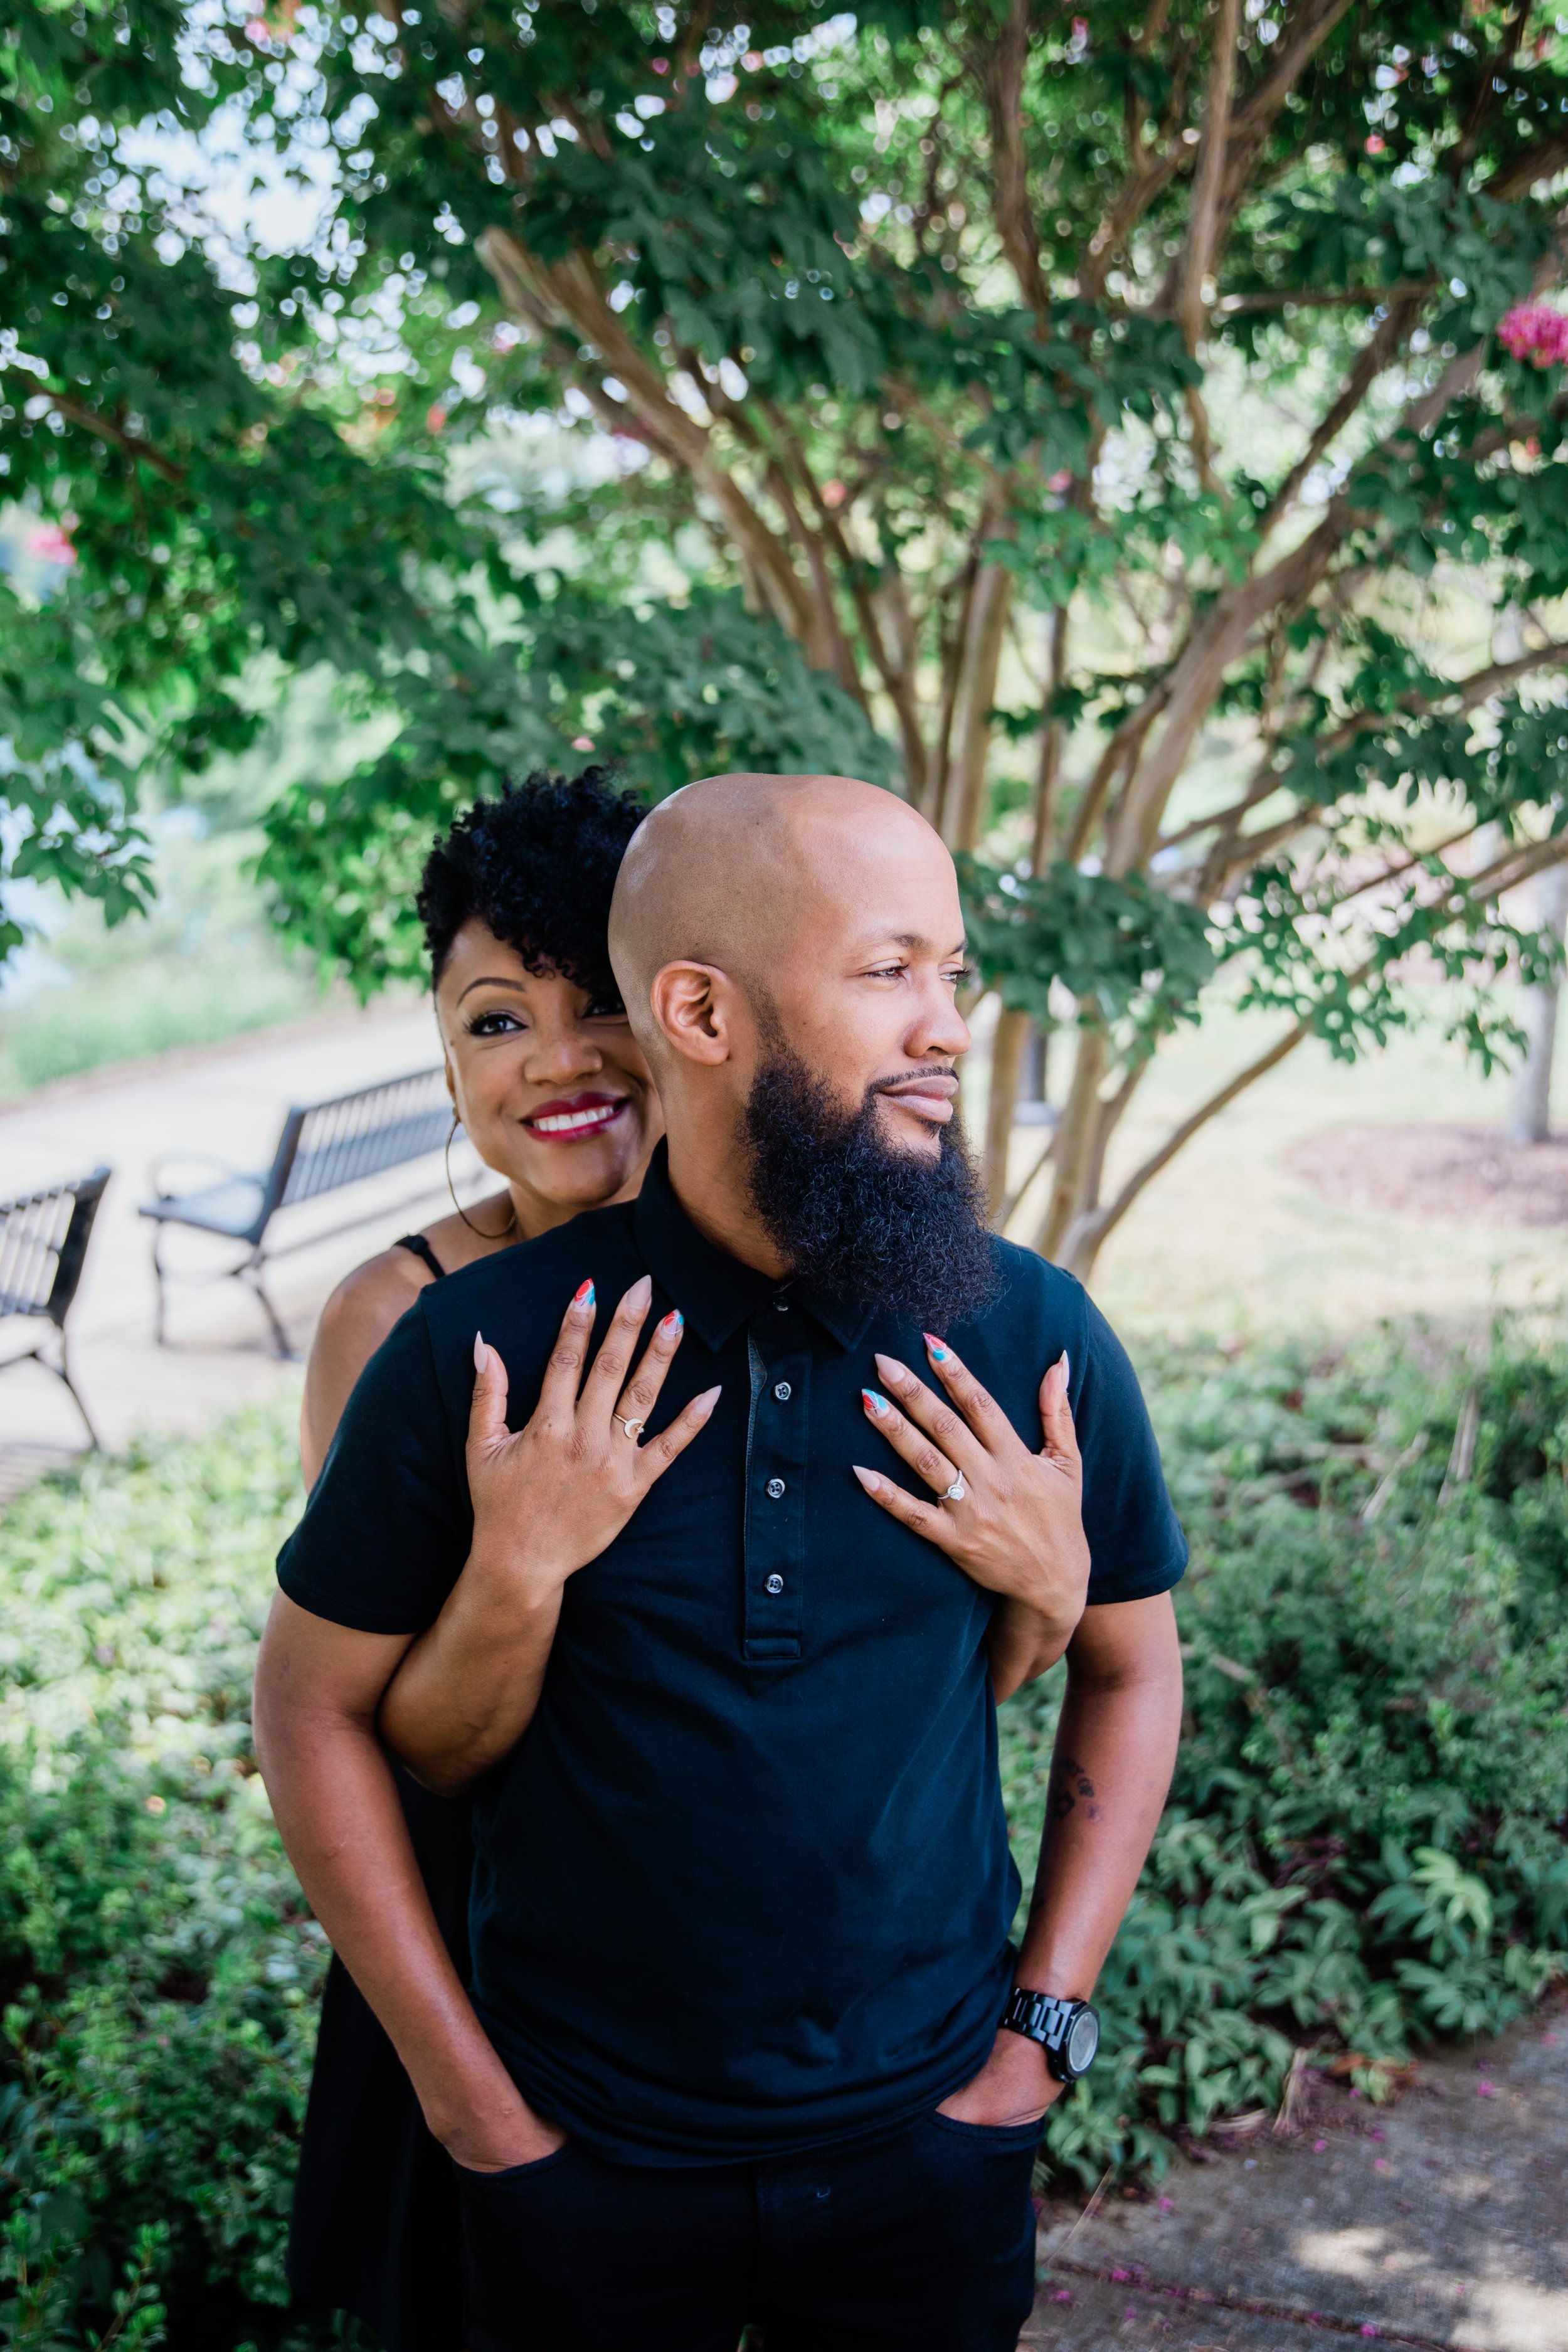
(538, 865)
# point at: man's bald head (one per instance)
(735, 870)
(790, 950)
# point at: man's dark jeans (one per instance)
(921, 2243)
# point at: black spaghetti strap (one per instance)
(421, 1249)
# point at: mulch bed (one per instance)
(1465, 1173)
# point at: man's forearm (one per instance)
(1116, 1743)
(1115, 1747)
(467, 1690)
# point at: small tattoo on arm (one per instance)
(1070, 1786)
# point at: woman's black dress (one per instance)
(374, 2228)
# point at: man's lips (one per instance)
(928, 1097)
(573, 1117)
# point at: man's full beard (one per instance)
(856, 1216)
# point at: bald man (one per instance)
(717, 1632)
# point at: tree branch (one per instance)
(1088, 1230)
(570, 288)
(1202, 219)
(1000, 71)
(1235, 305)
(105, 429)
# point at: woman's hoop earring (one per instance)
(511, 1221)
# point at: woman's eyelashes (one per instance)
(500, 1022)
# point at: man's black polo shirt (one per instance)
(743, 1887)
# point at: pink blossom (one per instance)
(582, 742)
(1059, 482)
(435, 416)
(1376, 144)
(1167, 2204)
(1318, 2145)
(1536, 332)
(52, 542)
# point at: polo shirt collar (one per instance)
(715, 1292)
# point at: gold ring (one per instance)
(634, 1429)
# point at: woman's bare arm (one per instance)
(337, 1809)
(356, 1319)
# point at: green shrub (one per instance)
(1365, 1845)
(158, 1969)
(1365, 1841)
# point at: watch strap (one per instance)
(1042, 2017)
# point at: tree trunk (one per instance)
(1008, 1041)
(962, 807)
(1075, 1136)
(1529, 1113)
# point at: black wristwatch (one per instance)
(1067, 2031)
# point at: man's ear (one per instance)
(693, 1005)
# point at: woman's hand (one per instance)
(1011, 1519)
(557, 1493)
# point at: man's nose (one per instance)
(938, 1028)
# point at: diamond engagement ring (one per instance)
(955, 1493)
(634, 1429)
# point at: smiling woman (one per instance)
(555, 1096)
(551, 1087)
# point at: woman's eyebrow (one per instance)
(491, 980)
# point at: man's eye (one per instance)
(606, 1008)
(886, 972)
(494, 1024)
(960, 976)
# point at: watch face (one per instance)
(1082, 2042)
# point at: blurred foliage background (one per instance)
(1137, 436)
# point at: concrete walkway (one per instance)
(1438, 2221)
(227, 1103)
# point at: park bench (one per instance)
(323, 1146)
(43, 1246)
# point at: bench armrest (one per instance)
(201, 1165)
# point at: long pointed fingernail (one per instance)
(673, 1324)
(939, 1353)
(877, 1404)
(708, 1399)
(640, 1294)
(868, 1479)
(584, 1295)
(479, 1352)
(1067, 1368)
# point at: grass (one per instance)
(204, 967)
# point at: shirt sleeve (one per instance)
(389, 1525)
(1136, 1547)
